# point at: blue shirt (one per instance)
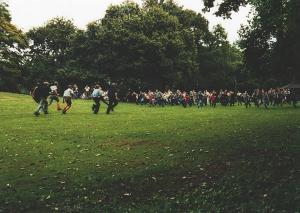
(97, 93)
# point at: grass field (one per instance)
(142, 159)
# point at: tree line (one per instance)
(159, 45)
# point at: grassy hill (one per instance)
(143, 159)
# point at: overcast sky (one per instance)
(32, 13)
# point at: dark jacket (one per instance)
(42, 91)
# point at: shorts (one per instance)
(68, 101)
(54, 98)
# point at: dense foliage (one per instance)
(270, 41)
(12, 40)
(159, 45)
(156, 45)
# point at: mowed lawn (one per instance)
(143, 159)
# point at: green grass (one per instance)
(143, 159)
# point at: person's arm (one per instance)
(72, 93)
(49, 91)
(33, 92)
(103, 100)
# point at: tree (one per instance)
(49, 51)
(271, 41)
(226, 7)
(12, 40)
(159, 45)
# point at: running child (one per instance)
(54, 95)
(97, 96)
(40, 95)
(68, 94)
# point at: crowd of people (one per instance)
(45, 94)
(259, 97)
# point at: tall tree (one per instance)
(159, 45)
(270, 41)
(49, 51)
(12, 41)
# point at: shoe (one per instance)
(46, 113)
(63, 112)
(36, 114)
(59, 109)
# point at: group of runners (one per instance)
(259, 97)
(45, 94)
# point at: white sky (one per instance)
(32, 13)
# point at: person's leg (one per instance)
(39, 108)
(57, 103)
(51, 100)
(115, 103)
(109, 106)
(68, 106)
(94, 104)
(266, 105)
(45, 106)
(97, 105)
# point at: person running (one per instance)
(68, 94)
(86, 93)
(266, 99)
(112, 98)
(213, 99)
(54, 95)
(35, 93)
(247, 99)
(200, 97)
(239, 96)
(256, 98)
(159, 98)
(97, 96)
(40, 94)
(293, 98)
(76, 91)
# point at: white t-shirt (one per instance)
(68, 92)
(53, 88)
